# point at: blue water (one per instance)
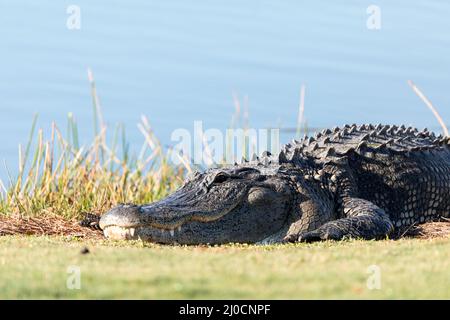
(179, 61)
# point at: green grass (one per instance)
(36, 267)
(57, 176)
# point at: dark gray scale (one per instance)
(402, 170)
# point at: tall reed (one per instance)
(57, 175)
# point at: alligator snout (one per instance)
(121, 222)
(125, 215)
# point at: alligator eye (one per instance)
(221, 177)
(246, 170)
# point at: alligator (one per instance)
(363, 182)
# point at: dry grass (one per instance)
(430, 106)
(58, 177)
(430, 230)
(51, 225)
(56, 225)
(64, 179)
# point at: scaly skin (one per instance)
(368, 182)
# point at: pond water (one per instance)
(179, 61)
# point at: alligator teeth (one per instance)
(119, 233)
(172, 232)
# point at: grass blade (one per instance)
(430, 106)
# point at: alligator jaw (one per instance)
(154, 232)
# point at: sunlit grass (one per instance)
(58, 176)
(37, 267)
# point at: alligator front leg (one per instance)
(363, 220)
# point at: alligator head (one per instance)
(235, 204)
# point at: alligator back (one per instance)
(402, 170)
